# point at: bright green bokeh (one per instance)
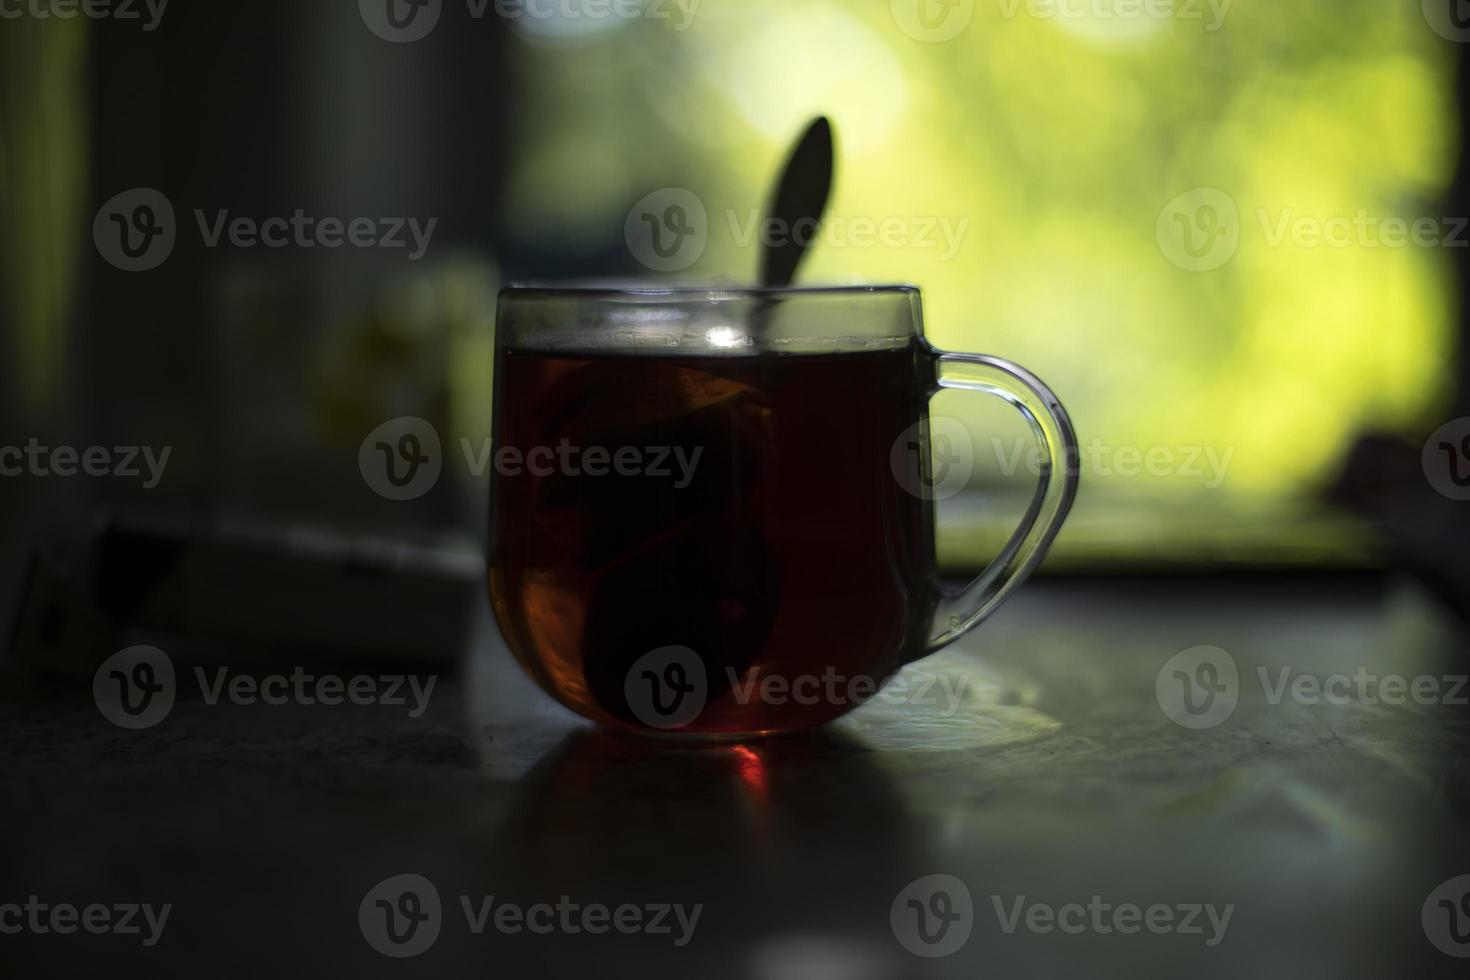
(1055, 144)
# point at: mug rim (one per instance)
(687, 292)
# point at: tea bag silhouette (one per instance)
(678, 557)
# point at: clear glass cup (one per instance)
(712, 509)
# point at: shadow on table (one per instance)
(794, 848)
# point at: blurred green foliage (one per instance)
(1061, 140)
(42, 146)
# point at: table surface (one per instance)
(1055, 780)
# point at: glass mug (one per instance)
(711, 509)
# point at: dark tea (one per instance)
(735, 528)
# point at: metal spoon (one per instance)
(798, 203)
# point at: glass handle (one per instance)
(959, 612)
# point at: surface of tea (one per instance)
(711, 544)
